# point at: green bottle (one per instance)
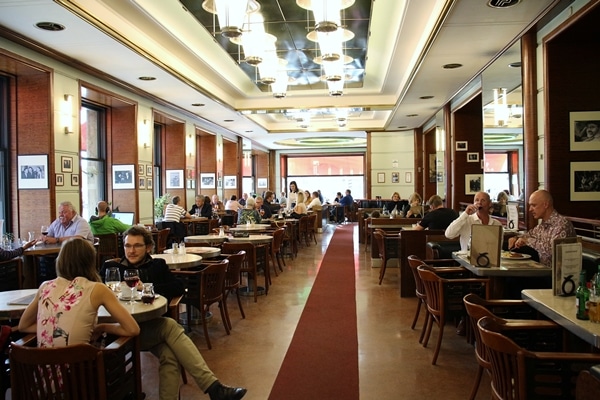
(582, 296)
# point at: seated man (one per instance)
(438, 216)
(68, 224)
(103, 223)
(346, 201)
(163, 336)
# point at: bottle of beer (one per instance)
(582, 296)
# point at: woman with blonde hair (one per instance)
(300, 208)
(414, 208)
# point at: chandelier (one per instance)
(230, 14)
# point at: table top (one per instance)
(41, 249)
(561, 310)
(258, 239)
(212, 238)
(250, 228)
(195, 219)
(391, 226)
(205, 252)
(518, 268)
(140, 311)
(180, 261)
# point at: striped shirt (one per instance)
(174, 213)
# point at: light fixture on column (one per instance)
(326, 12)
(67, 111)
(500, 108)
(230, 14)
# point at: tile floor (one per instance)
(393, 365)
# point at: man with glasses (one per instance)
(163, 336)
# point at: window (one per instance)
(501, 173)
(157, 170)
(93, 157)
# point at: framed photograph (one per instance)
(220, 183)
(207, 181)
(381, 177)
(59, 180)
(175, 179)
(395, 177)
(141, 183)
(585, 181)
(473, 183)
(462, 146)
(585, 130)
(230, 181)
(432, 167)
(408, 177)
(148, 183)
(141, 170)
(33, 172)
(261, 183)
(66, 164)
(148, 170)
(74, 180)
(123, 176)
(472, 157)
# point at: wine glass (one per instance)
(44, 231)
(131, 277)
(113, 278)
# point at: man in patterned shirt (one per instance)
(540, 238)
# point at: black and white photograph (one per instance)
(230, 182)
(395, 177)
(175, 179)
(432, 167)
(148, 170)
(123, 176)
(142, 183)
(585, 130)
(67, 164)
(59, 180)
(148, 183)
(207, 181)
(141, 169)
(261, 183)
(33, 172)
(473, 183)
(585, 181)
(472, 157)
(74, 180)
(462, 146)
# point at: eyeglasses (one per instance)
(136, 246)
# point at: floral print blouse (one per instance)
(542, 236)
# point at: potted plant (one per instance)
(159, 206)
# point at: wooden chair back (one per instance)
(108, 247)
(163, 236)
(11, 274)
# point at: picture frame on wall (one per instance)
(230, 182)
(381, 177)
(123, 176)
(59, 180)
(175, 179)
(462, 146)
(33, 171)
(408, 177)
(207, 180)
(141, 183)
(432, 167)
(261, 183)
(395, 177)
(141, 170)
(148, 183)
(66, 164)
(472, 157)
(585, 181)
(473, 183)
(74, 180)
(148, 170)
(584, 130)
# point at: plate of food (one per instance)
(511, 255)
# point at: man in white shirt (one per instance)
(476, 213)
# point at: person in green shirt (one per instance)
(103, 223)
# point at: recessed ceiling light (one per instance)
(452, 66)
(198, 104)
(249, 131)
(147, 78)
(516, 64)
(50, 26)
(227, 120)
(503, 3)
(412, 115)
(426, 97)
(402, 127)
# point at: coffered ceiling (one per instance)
(398, 80)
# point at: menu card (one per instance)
(512, 217)
(566, 265)
(486, 245)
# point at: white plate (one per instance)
(514, 256)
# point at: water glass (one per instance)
(112, 279)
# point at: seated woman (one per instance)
(396, 204)
(233, 206)
(67, 307)
(300, 208)
(414, 208)
(249, 214)
(499, 207)
(314, 201)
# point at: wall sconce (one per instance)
(67, 110)
(395, 164)
(145, 135)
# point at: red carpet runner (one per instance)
(322, 361)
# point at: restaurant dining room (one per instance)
(328, 199)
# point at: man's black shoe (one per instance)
(217, 391)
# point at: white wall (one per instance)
(387, 149)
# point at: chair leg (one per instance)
(382, 272)
(430, 323)
(476, 383)
(424, 328)
(224, 316)
(227, 321)
(438, 345)
(416, 318)
(280, 254)
(203, 311)
(239, 300)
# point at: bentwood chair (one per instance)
(233, 282)
(276, 245)
(163, 236)
(312, 227)
(587, 386)
(444, 298)
(108, 248)
(521, 374)
(80, 371)
(253, 263)
(11, 274)
(388, 249)
(303, 230)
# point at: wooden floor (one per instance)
(393, 365)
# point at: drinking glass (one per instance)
(131, 277)
(44, 230)
(148, 293)
(113, 279)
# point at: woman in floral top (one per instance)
(65, 310)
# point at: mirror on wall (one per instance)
(440, 151)
(502, 161)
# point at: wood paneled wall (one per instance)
(430, 188)
(231, 166)
(122, 149)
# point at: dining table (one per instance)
(31, 262)
(180, 261)
(509, 268)
(14, 302)
(561, 309)
(205, 252)
(250, 228)
(212, 239)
